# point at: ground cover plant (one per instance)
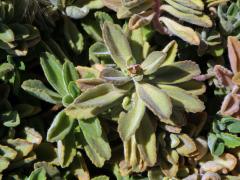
(120, 89)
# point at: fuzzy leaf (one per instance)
(39, 90)
(114, 76)
(183, 99)
(216, 147)
(22, 146)
(153, 61)
(7, 152)
(96, 159)
(6, 68)
(69, 73)
(38, 174)
(230, 140)
(155, 99)
(171, 50)
(117, 43)
(66, 150)
(182, 71)
(129, 122)
(93, 101)
(95, 137)
(185, 33)
(146, 141)
(53, 72)
(200, 20)
(10, 119)
(6, 34)
(60, 127)
(73, 36)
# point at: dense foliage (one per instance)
(120, 89)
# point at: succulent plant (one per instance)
(229, 18)
(17, 33)
(224, 134)
(229, 79)
(163, 15)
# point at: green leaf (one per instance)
(183, 99)
(7, 152)
(230, 140)
(155, 99)
(117, 43)
(129, 122)
(4, 163)
(98, 52)
(146, 141)
(96, 159)
(76, 12)
(38, 174)
(216, 147)
(177, 72)
(171, 50)
(69, 73)
(199, 20)
(93, 29)
(22, 146)
(153, 62)
(10, 119)
(101, 17)
(53, 71)
(185, 33)
(73, 36)
(95, 137)
(103, 177)
(6, 34)
(114, 76)
(38, 89)
(60, 127)
(93, 101)
(66, 150)
(6, 68)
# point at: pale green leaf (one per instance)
(60, 127)
(177, 72)
(39, 90)
(183, 99)
(66, 150)
(95, 137)
(129, 122)
(73, 36)
(155, 99)
(153, 61)
(117, 43)
(53, 72)
(38, 174)
(93, 101)
(146, 141)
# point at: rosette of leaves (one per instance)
(18, 152)
(225, 134)
(17, 34)
(211, 43)
(229, 18)
(70, 134)
(230, 79)
(76, 9)
(143, 86)
(165, 15)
